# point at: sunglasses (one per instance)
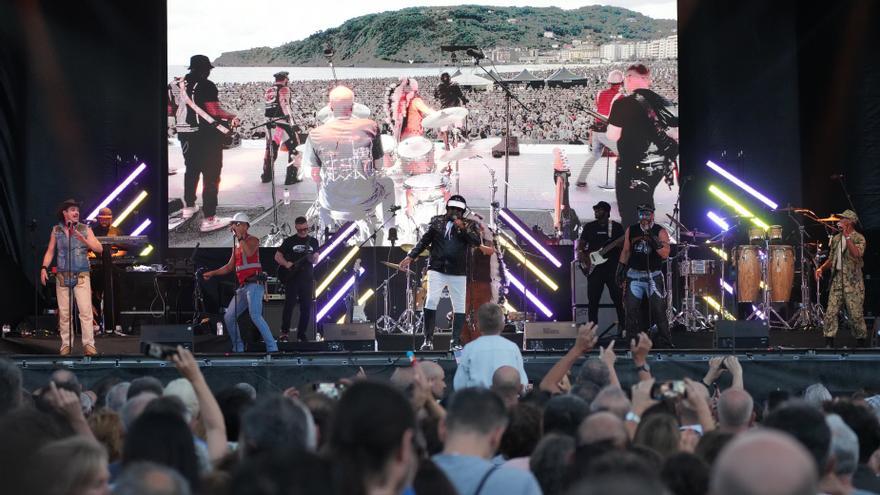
(302, 229)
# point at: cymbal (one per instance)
(695, 235)
(445, 117)
(459, 153)
(409, 247)
(414, 147)
(397, 267)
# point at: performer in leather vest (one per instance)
(69, 243)
(278, 107)
(645, 247)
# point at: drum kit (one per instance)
(765, 270)
(410, 321)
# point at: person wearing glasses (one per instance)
(646, 133)
(296, 257)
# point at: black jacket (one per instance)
(448, 254)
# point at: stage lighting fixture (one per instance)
(337, 296)
(718, 220)
(338, 268)
(141, 227)
(130, 208)
(717, 307)
(721, 254)
(736, 206)
(344, 233)
(531, 297)
(528, 264)
(147, 250)
(522, 230)
(745, 187)
(128, 180)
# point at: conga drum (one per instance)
(781, 273)
(774, 234)
(748, 274)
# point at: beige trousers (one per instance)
(83, 295)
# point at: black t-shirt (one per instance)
(641, 255)
(295, 248)
(201, 91)
(637, 129)
(449, 95)
(595, 236)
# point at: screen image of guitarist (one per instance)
(296, 257)
(598, 249)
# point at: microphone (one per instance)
(475, 53)
(837, 177)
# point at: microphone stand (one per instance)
(842, 181)
(508, 95)
(70, 293)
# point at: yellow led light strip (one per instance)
(128, 209)
(147, 250)
(717, 307)
(509, 308)
(369, 293)
(335, 272)
(736, 206)
(528, 264)
(721, 254)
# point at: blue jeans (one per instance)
(249, 297)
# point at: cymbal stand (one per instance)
(411, 320)
(385, 323)
(805, 315)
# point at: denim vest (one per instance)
(79, 252)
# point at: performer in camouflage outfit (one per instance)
(847, 285)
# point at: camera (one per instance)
(332, 390)
(159, 351)
(674, 389)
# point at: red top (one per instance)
(605, 98)
(244, 269)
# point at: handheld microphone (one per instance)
(475, 53)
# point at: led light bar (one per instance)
(517, 225)
(522, 288)
(717, 307)
(344, 233)
(128, 180)
(721, 254)
(141, 227)
(718, 220)
(509, 307)
(736, 206)
(337, 296)
(130, 208)
(335, 272)
(745, 187)
(147, 250)
(365, 297)
(727, 288)
(528, 264)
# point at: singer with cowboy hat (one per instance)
(245, 262)
(70, 242)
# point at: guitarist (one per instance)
(596, 235)
(295, 258)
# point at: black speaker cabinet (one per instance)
(742, 335)
(549, 335)
(350, 336)
(170, 335)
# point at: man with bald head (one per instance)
(436, 378)
(735, 410)
(506, 383)
(345, 154)
(764, 462)
(603, 427)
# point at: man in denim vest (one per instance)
(71, 241)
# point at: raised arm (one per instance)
(212, 417)
(586, 339)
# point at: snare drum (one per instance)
(775, 234)
(416, 156)
(748, 274)
(756, 236)
(425, 197)
(700, 272)
(781, 273)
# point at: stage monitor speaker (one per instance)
(170, 335)
(350, 336)
(549, 335)
(498, 150)
(742, 335)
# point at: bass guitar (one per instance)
(597, 257)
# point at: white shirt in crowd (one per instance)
(480, 359)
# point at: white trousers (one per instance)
(457, 285)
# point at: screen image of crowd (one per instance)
(579, 430)
(555, 113)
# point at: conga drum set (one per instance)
(765, 273)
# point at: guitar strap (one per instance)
(181, 83)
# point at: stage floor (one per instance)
(531, 192)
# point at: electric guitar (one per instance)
(285, 273)
(597, 257)
(565, 219)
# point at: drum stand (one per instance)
(807, 314)
(689, 316)
(411, 320)
(765, 310)
(385, 323)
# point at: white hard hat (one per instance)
(242, 218)
(615, 77)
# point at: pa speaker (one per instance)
(350, 336)
(742, 335)
(170, 335)
(549, 336)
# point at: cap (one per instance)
(849, 215)
(281, 75)
(456, 201)
(105, 213)
(200, 62)
(241, 218)
(615, 77)
(602, 204)
(645, 207)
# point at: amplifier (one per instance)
(742, 335)
(350, 336)
(549, 335)
(170, 335)
(498, 150)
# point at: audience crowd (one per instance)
(553, 115)
(579, 430)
